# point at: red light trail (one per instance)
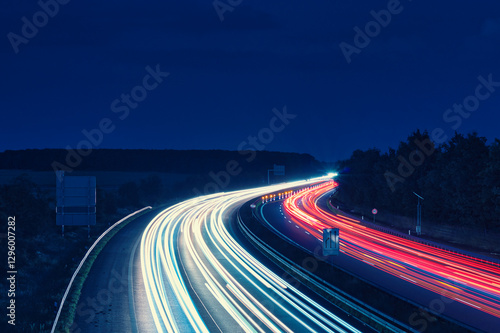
(459, 277)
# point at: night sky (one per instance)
(230, 67)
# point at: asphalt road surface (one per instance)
(464, 289)
(113, 295)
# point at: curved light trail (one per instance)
(466, 279)
(197, 277)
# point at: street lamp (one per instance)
(419, 215)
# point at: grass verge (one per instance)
(69, 308)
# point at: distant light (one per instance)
(332, 174)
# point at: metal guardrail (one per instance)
(61, 305)
(371, 313)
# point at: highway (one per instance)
(462, 287)
(113, 297)
(183, 269)
(198, 278)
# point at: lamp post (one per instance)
(419, 215)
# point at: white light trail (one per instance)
(250, 295)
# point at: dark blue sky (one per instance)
(225, 77)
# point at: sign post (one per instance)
(278, 170)
(76, 201)
(374, 212)
(331, 243)
(418, 229)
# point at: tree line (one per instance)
(458, 179)
(200, 167)
(166, 160)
